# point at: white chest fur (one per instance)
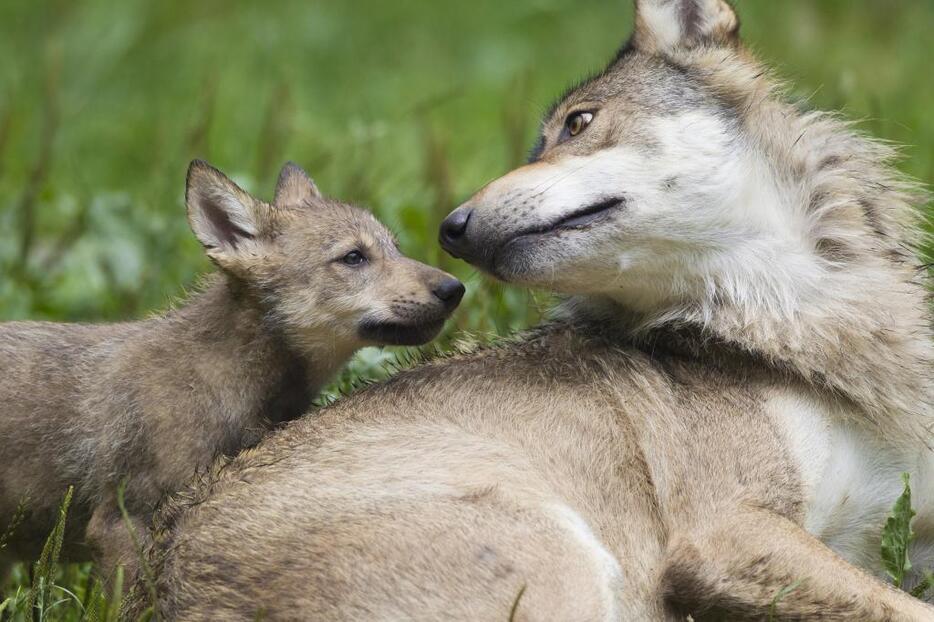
(851, 478)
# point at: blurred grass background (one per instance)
(405, 107)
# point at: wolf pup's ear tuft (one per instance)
(295, 187)
(223, 216)
(667, 25)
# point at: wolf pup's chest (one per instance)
(850, 478)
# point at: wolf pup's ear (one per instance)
(667, 25)
(294, 188)
(224, 217)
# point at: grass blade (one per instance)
(782, 593)
(897, 536)
(144, 568)
(922, 588)
(18, 515)
(44, 570)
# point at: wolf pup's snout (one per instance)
(410, 302)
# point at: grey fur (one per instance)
(151, 402)
(631, 461)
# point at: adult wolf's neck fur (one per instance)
(858, 324)
(867, 339)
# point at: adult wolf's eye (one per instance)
(576, 122)
(353, 258)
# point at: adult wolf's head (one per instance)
(678, 177)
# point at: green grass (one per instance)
(405, 107)
(73, 594)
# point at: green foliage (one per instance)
(404, 107)
(921, 590)
(148, 579)
(58, 593)
(18, 515)
(53, 594)
(897, 536)
(515, 604)
(44, 571)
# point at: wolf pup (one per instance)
(303, 283)
(717, 427)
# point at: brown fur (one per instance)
(431, 496)
(150, 402)
(620, 463)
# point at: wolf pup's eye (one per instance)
(353, 258)
(576, 122)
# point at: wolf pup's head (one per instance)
(677, 175)
(329, 273)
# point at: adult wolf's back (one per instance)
(718, 424)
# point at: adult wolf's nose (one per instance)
(453, 229)
(449, 291)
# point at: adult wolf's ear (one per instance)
(295, 187)
(225, 218)
(668, 25)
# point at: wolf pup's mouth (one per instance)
(400, 334)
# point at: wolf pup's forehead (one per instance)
(333, 217)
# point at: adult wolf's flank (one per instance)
(303, 282)
(715, 426)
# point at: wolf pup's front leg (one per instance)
(116, 541)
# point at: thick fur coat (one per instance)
(304, 282)
(716, 426)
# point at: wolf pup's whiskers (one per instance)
(303, 283)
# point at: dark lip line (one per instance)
(560, 225)
(593, 209)
(401, 333)
(400, 325)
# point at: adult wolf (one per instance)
(716, 425)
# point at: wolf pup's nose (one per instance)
(449, 291)
(453, 229)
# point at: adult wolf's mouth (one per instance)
(575, 220)
(511, 252)
(589, 214)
